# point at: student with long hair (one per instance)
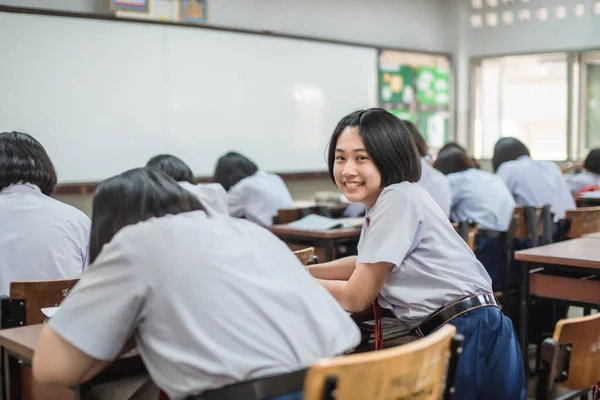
(210, 301)
(410, 260)
(40, 237)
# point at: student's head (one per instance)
(232, 168)
(132, 197)
(23, 159)
(452, 145)
(422, 145)
(172, 166)
(369, 150)
(508, 149)
(592, 161)
(453, 160)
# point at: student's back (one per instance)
(251, 194)
(531, 182)
(213, 300)
(589, 177)
(40, 237)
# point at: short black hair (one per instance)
(172, 166)
(388, 142)
(422, 145)
(453, 160)
(452, 145)
(134, 196)
(232, 168)
(24, 159)
(592, 161)
(508, 149)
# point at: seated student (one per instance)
(482, 197)
(411, 261)
(251, 194)
(212, 195)
(40, 237)
(431, 179)
(531, 182)
(209, 301)
(590, 176)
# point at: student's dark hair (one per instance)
(134, 196)
(23, 159)
(388, 142)
(452, 145)
(172, 166)
(422, 145)
(592, 161)
(232, 168)
(453, 160)
(508, 149)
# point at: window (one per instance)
(590, 102)
(524, 97)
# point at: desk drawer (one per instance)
(559, 287)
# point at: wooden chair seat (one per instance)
(420, 369)
(571, 357)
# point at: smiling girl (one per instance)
(411, 260)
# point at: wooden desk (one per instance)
(569, 275)
(20, 343)
(325, 242)
(336, 209)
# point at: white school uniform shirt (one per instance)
(576, 182)
(258, 197)
(212, 196)
(432, 264)
(211, 302)
(537, 183)
(482, 197)
(437, 185)
(40, 238)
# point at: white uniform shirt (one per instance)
(212, 196)
(437, 185)
(481, 196)
(211, 301)
(576, 182)
(537, 183)
(258, 197)
(40, 237)
(433, 265)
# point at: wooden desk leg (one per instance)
(524, 318)
(7, 374)
(329, 250)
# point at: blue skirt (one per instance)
(491, 365)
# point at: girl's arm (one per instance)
(337, 270)
(361, 289)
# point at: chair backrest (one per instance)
(583, 221)
(285, 216)
(468, 231)
(305, 255)
(27, 298)
(571, 356)
(415, 370)
(534, 219)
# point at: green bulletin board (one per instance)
(416, 87)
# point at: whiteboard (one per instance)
(105, 96)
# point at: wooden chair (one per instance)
(468, 231)
(571, 357)
(423, 369)
(27, 298)
(580, 222)
(306, 256)
(23, 307)
(285, 216)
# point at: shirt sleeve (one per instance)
(392, 229)
(104, 308)
(456, 194)
(236, 202)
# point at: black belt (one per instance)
(258, 389)
(449, 312)
(488, 233)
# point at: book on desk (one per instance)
(314, 222)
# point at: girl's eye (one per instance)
(339, 158)
(362, 158)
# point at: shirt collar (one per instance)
(21, 188)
